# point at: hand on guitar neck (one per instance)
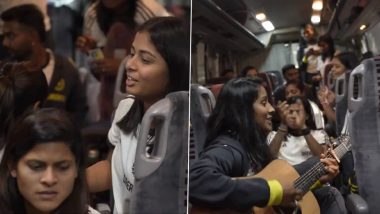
(331, 162)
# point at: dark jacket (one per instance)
(211, 185)
(66, 91)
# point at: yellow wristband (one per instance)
(316, 185)
(275, 192)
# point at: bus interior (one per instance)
(228, 36)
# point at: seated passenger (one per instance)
(236, 147)
(20, 90)
(43, 169)
(24, 36)
(342, 64)
(249, 71)
(228, 74)
(297, 139)
(290, 73)
(296, 88)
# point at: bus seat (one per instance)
(202, 103)
(278, 79)
(341, 101)
(120, 87)
(161, 177)
(268, 85)
(355, 204)
(103, 208)
(364, 128)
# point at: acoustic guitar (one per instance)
(282, 171)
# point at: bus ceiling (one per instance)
(233, 25)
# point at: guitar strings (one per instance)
(312, 175)
(316, 171)
(309, 177)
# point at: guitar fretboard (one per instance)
(305, 181)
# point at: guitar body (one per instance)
(286, 175)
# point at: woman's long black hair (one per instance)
(348, 59)
(331, 47)
(234, 115)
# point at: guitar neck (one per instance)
(305, 181)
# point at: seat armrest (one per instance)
(356, 204)
(103, 208)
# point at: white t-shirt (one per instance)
(123, 159)
(313, 61)
(295, 149)
(322, 66)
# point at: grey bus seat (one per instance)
(268, 83)
(341, 107)
(341, 98)
(202, 103)
(161, 177)
(364, 128)
(356, 204)
(120, 90)
(278, 79)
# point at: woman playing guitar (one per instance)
(236, 147)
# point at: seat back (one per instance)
(202, 103)
(120, 90)
(341, 101)
(268, 84)
(364, 128)
(161, 177)
(278, 80)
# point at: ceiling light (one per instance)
(317, 5)
(261, 16)
(363, 27)
(268, 26)
(315, 19)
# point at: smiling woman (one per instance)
(158, 65)
(43, 166)
(236, 147)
